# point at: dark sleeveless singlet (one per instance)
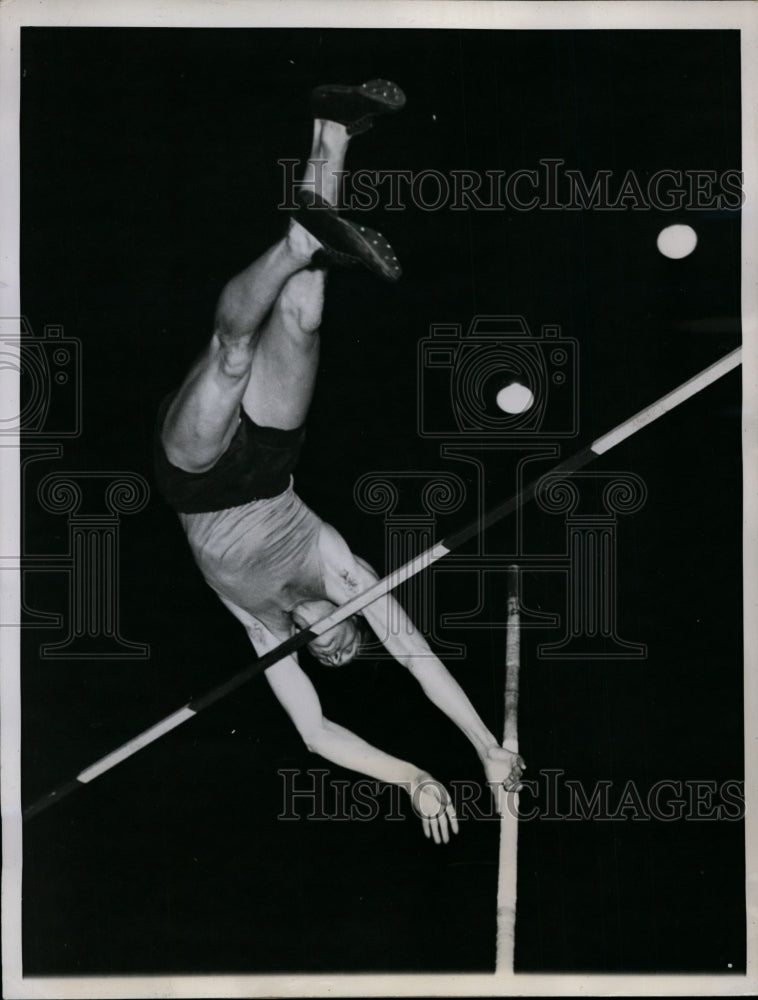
(254, 540)
(257, 465)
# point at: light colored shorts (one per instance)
(262, 557)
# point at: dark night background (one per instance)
(149, 177)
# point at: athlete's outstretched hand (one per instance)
(432, 804)
(503, 769)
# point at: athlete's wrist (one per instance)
(486, 747)
(411, 775)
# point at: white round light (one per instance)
(514, 398)
(677, 241)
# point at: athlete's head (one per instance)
(337, 646)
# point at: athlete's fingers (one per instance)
(452, 817)
(436, 831)
(512, 782)
(444, 828)
(426, 825)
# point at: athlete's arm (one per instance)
(298, 697)
(346, 576)
(296, 693)
(410, 649)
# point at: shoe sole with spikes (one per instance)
(355, 107)
(344, 242)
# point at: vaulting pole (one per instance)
(394, 579)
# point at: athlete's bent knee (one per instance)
(300, 302)
(233, 357)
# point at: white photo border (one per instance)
(397, 14)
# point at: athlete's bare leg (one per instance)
(264, 349)
(285, 362)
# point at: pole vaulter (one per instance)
(398, 576)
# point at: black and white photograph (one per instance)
(378, 437)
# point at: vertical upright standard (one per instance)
(507, 882)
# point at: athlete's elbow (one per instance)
(313, 738)
(319, 738)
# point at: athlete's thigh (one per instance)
(282, 380)
(203, 415)
(285, 362)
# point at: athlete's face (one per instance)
(335, 647)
